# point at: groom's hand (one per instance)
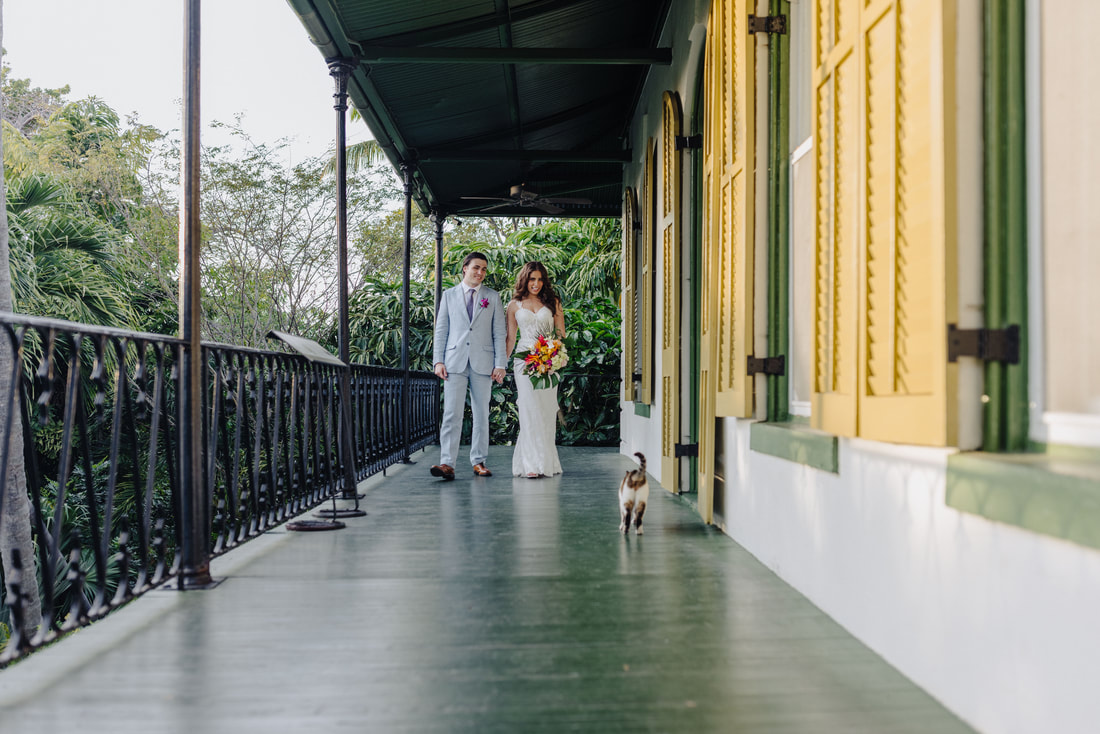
(498, 376)
(440, 371)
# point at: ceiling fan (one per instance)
(519, 196)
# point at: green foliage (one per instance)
(359, 156)
(90, 239)
(379, 246)
(583, 257)
(375, 324)
(505, 261)
(594, 341)
(60, 259)
(589, 410)
(78, 131)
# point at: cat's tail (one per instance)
(641, 460)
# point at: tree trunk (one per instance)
(15, 520)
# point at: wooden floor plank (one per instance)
(491, 605)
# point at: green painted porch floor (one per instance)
(479, 605)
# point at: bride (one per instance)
(533, 311)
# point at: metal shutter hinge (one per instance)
(768, 24)
(685, 449)
(694, 141)
(767, 365)
(991, 345)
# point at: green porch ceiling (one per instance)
(481, 96)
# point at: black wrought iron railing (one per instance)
(376, 411)
(89, 458)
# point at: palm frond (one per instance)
(62, 233)
(359, 155)
(72, 287)
(29, 192)
(61, 262)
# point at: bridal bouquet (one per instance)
(544, 361)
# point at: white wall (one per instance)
(996, 622)
(638, 433)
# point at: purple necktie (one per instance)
(470, 304)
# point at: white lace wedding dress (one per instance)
(536, 452)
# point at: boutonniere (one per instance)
(484, 303)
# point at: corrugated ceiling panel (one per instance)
(540, 96)
(363, 20)
(443, 102)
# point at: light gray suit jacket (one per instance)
(478, 343)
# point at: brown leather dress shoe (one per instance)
(482, 471)
(444, 471)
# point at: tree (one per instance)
(378, 245)
(269, 250)
(581, 255)
(25, 107)
(118, 189)
(77, 241)
(592, 250)
(15, 511)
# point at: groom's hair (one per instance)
(474, 256)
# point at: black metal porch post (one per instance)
(194, 512)
(340, 69)
(438, 218)
(406, 398)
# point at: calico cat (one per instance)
(633, 494)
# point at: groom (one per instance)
(468, 352)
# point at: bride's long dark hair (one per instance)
(547, 295)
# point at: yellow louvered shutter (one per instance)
(645, 388)
(732, 201)
(882, 139)
(669, 229)
(728, 216)
(630, 292)
(836, 175)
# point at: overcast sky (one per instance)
(256, 60)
